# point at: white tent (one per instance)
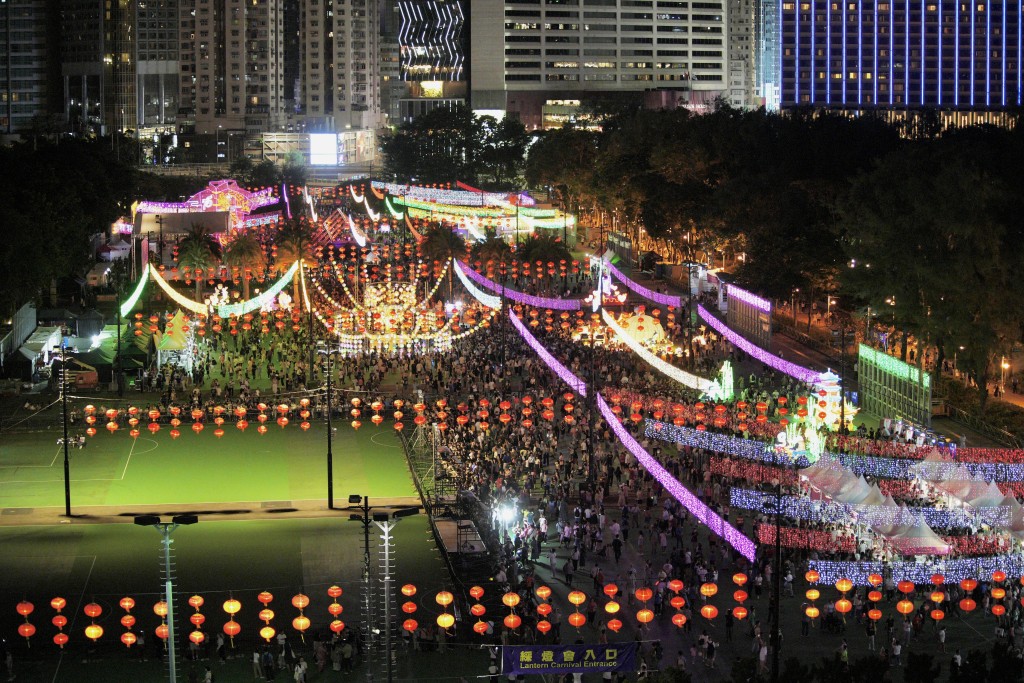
(919, 539)
(990, 498)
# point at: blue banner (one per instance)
(563, 659)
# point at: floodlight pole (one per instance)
(330, 453)
(64, 420)
(165, 529)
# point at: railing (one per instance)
(961, 416)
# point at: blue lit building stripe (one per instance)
(846, 71)
(892, 51)
(941, 72)
(924, 62)
(828, 53)
(973, 15)
(988, 53)
(874, 60)
(956, 60)
(796, 25)
(906, 55)
(860, 51)
(1003, 55)
(814, 53)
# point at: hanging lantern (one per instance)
(445, 620)
(576, 619)
(844, 585)
(811, 576)
(708, 590)
(513, 621)
(679, 620)
(874, 614)
(904, 607)
(709, 612)
(843, 606)
(644, 616)
(905, 587)
(740, 612)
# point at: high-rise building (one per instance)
(741, 50)
(528, 57)
(119, 63)
(232, 65)
(960, 59)
(432, 59)
(24, 68)
(767, 55)
(340, 69)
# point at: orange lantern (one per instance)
(812, 576)
(998, 610)
(443, 598)
(874, 614)
(577, 597)
(576, 619)
(445, 620)
(905, 587)
(968, 605)
(813, 594)
(843, 606)
(875, 596)
(904, 607)
(709, 612)
(708, 590)
(644, 616)
(740, 612)
(844, 585)
(812, 612)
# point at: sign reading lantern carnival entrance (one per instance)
(891, 388)
(567, 659)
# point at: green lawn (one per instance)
(282, 465)
(104, 563)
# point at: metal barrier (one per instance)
(963, 417)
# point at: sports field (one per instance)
(285, 464)
(104, 562)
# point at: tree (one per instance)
(245, 253)
(265, 174)
(503, 156)
(933, 236)
(294, 243)
(241, 169)
(198, 249)
(435, 147)
(293, 172)
(492, 248)
(441, 244)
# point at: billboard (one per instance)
(323, 149)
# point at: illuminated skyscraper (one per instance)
(900, 58)
(432, 55)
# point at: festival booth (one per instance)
(221, 206)
(175, 346)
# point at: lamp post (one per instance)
(1004, 365)
(792, 303)
(166, 529)
(329, 354)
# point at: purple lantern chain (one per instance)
(656, 297)
(520, 297)
(706, 515)
(784, 366)
(752, 299)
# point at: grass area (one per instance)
(281, 465)
(103, 563)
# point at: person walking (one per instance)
(942, 639)
(897, 650)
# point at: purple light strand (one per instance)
(746, 297)
(520, 297)
(663, 299)
(784, 366)
(574, 382)
(712, 521)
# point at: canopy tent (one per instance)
(990, 498)
(919, 539)
(853, 491)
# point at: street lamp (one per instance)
(1004, 365)
(166, 529)
(792, 303)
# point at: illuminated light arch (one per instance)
(650, 295)
(226, 310)
(705, 386)
(488, 300)
(520, 297)
(130, 302)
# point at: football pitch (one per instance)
(283, 465)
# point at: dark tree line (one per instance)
(821, 205)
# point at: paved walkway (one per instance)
(233, 511)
